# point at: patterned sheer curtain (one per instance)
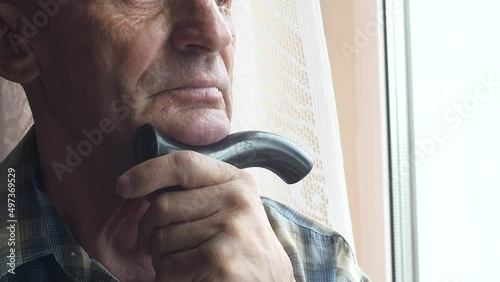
(282, 85)
(15, 116)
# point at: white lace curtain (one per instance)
(282, 85)
(15, 116)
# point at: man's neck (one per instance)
(102, 222)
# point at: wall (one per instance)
(353, 31)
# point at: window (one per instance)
(444, 101)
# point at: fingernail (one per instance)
(125, 185)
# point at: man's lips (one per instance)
(207, 96)
(190, 95)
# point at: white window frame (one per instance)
(402, 170)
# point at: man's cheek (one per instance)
(120, 109)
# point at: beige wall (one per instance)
(358, 78)
(338, 18)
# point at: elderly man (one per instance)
(93, 72)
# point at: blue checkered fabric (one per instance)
(45, 249)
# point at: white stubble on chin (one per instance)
(200, 127)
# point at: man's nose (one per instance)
(200, 26)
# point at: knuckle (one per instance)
(226, 170)
(247, 177)
(247, 181)
(184, 159)
(182, 164)
(214, 254)
(239, 199)
(231, 227)
(229, 271)
(160, 205)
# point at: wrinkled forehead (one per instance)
(42, 2)
(219, 2)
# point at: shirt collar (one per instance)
(40, 230)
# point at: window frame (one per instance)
(401, 142)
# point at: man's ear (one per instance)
(17, 61)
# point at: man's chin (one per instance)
(200, 138)
(200, 132)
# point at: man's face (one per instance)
(164, 62)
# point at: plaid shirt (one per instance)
(45, 249)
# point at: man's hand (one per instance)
(214, 230)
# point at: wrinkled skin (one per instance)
(128, 62)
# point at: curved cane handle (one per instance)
(242, 149)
